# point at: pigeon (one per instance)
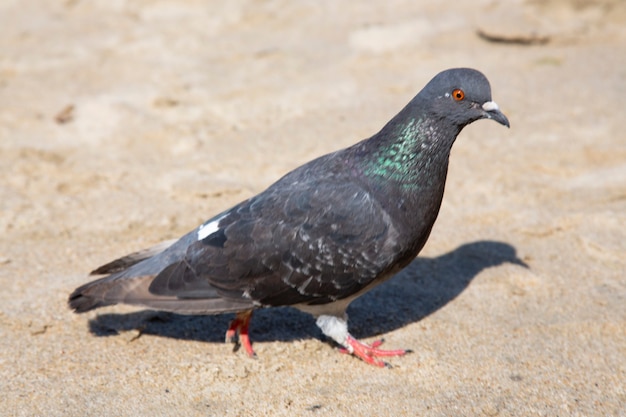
(319, 237)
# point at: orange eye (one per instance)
(458, 94)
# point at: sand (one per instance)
(123, 124)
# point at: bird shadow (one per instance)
(422, 288)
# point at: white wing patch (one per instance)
(209, 228)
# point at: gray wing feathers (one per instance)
(289, 246)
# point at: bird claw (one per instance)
(237, 333)
(370, 353)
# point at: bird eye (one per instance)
(458, 94)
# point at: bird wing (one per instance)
(294, 243)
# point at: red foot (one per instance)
(238, 332)
(370, 353)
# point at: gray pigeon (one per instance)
(319, 237)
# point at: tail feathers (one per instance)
(81, 303)
(135, 291)
(105, 291)
(131, 277)
(127, 261)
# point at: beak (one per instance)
(492, 111)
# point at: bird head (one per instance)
(462, 96)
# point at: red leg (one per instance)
(370, 353)
(238, 332)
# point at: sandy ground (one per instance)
(124, 123)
